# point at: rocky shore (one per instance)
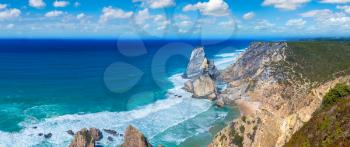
(274, 96)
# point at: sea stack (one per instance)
(86, 138)
(202, 74)
(134, 138)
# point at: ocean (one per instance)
(55, 85)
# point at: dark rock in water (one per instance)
(47, 136)
(112, 132)
(121, 135)
(86, 138)
(70, 132)
(35, 127)
(96, 134)
(40, 134)
(134, 138)
(110, 138)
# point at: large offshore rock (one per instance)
(86, 138)
(199, 65)
(203, 86)
(134, 138)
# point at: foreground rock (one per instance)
(134, 138)
(86, 138)
(288, 86)
(202, 74)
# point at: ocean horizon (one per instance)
(55, 85)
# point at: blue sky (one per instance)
(174, 18)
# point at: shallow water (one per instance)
(57, 85)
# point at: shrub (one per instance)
(339, 91)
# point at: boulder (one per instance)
(189, 86)
(70, 132)
(203, 86)
(86, 138)
(220, 102)
(112, 132)
(134, 138)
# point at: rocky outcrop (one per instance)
(202, 74)
(283, 99)
(134, 138)
(199, 65)
(86, 138)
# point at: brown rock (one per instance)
(86, 138)
(220, 102)
(134, 138)
(203, 86)
(189, 86)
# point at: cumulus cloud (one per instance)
(60, 3)
(143, 18)
(109, 13)
(249, 16)
(9, 13)
(329, 19)
(263, 25)
(3, 6)
(296, 22)
(54, 13)
(344, 8)
(37, 3)
(156, 4)
(211, 8)
(335, 1)
(285, 4)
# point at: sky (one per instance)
(174, 18)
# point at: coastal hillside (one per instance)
(278, 86)
(330, 124)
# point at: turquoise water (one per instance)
(51, 86)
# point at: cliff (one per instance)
(330, 124)
(278, 87)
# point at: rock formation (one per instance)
(86, 138)
(134, 138)
(202, 74)
(268, 79)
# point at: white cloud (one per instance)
(111, 13)
(60, 3)
(54, 13)
(317, 13)
(249, 16)
(37, 3)
(9, 13)
(285, 4)
(335, 1)
(296, 22)
(3, 6)
(80, 16)
(144, 19)
(344, 8)
(212, 8)
(328, 19)
(263, 25)
(155, 4)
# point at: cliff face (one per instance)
(280, 97)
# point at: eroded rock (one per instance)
(86, 138)
(134, 138)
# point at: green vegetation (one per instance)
(319, 61)
(339, 91)
(330, 126)
(236, 138)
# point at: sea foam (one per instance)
(151, 119)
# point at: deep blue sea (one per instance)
(51, 86)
